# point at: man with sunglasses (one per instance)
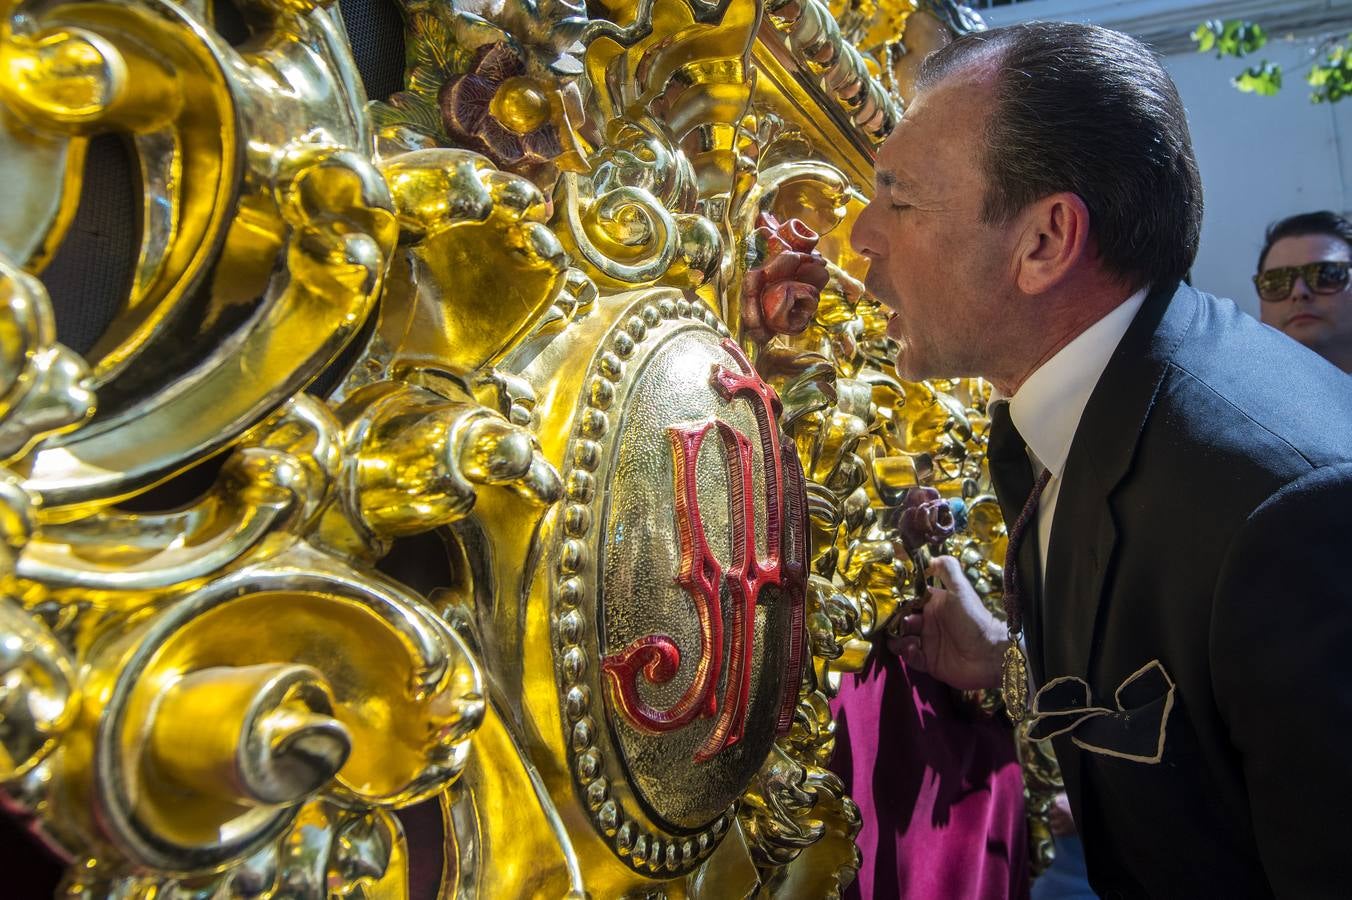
(1303, 282)
(1176, 478)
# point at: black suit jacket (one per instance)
(1205, 521)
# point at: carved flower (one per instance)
(779, 296)
(496, 109)
(926, 518)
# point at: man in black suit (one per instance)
(1185, 472)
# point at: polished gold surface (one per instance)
(266, 229)
(1041, 783)
(577, 305)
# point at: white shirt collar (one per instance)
(1047, 407)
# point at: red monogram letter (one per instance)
(701, 574)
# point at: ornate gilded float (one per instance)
(475, 485)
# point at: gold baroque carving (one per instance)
(224, 697)
(266, 230)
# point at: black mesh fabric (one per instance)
(376, 31)
(91, 273)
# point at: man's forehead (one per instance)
(1300, 248)
(979, 70)
(896, 153)
(942, 119)
(962, 93)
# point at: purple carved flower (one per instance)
(926, 518)
(496, 109)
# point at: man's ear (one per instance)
(1054, 240)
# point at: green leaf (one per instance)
(1231, 37)
(1331, 77)
(1252, 37)
(1264, 79)
(760, 247)
(1204, 37)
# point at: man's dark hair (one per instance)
(1083, 109)
(1322, 222)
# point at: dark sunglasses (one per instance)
(1328, 277)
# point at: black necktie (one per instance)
(1131, 727)
(1018, 494)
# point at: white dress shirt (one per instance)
(1047, 407)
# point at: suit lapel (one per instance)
(1083, 538)
(1084, 532)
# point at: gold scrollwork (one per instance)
(421, 457)
(268, 490)
(624, 235)
(206, 726)
(265, 232)
(44, 387)
(39, 696)
(213, 692)
(456, 208)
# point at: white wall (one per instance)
(1261, 158)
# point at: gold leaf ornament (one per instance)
(457, 209)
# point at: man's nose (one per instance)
(862, 232)
(1299, 289)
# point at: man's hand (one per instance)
(953, 637)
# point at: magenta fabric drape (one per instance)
(938, 787)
